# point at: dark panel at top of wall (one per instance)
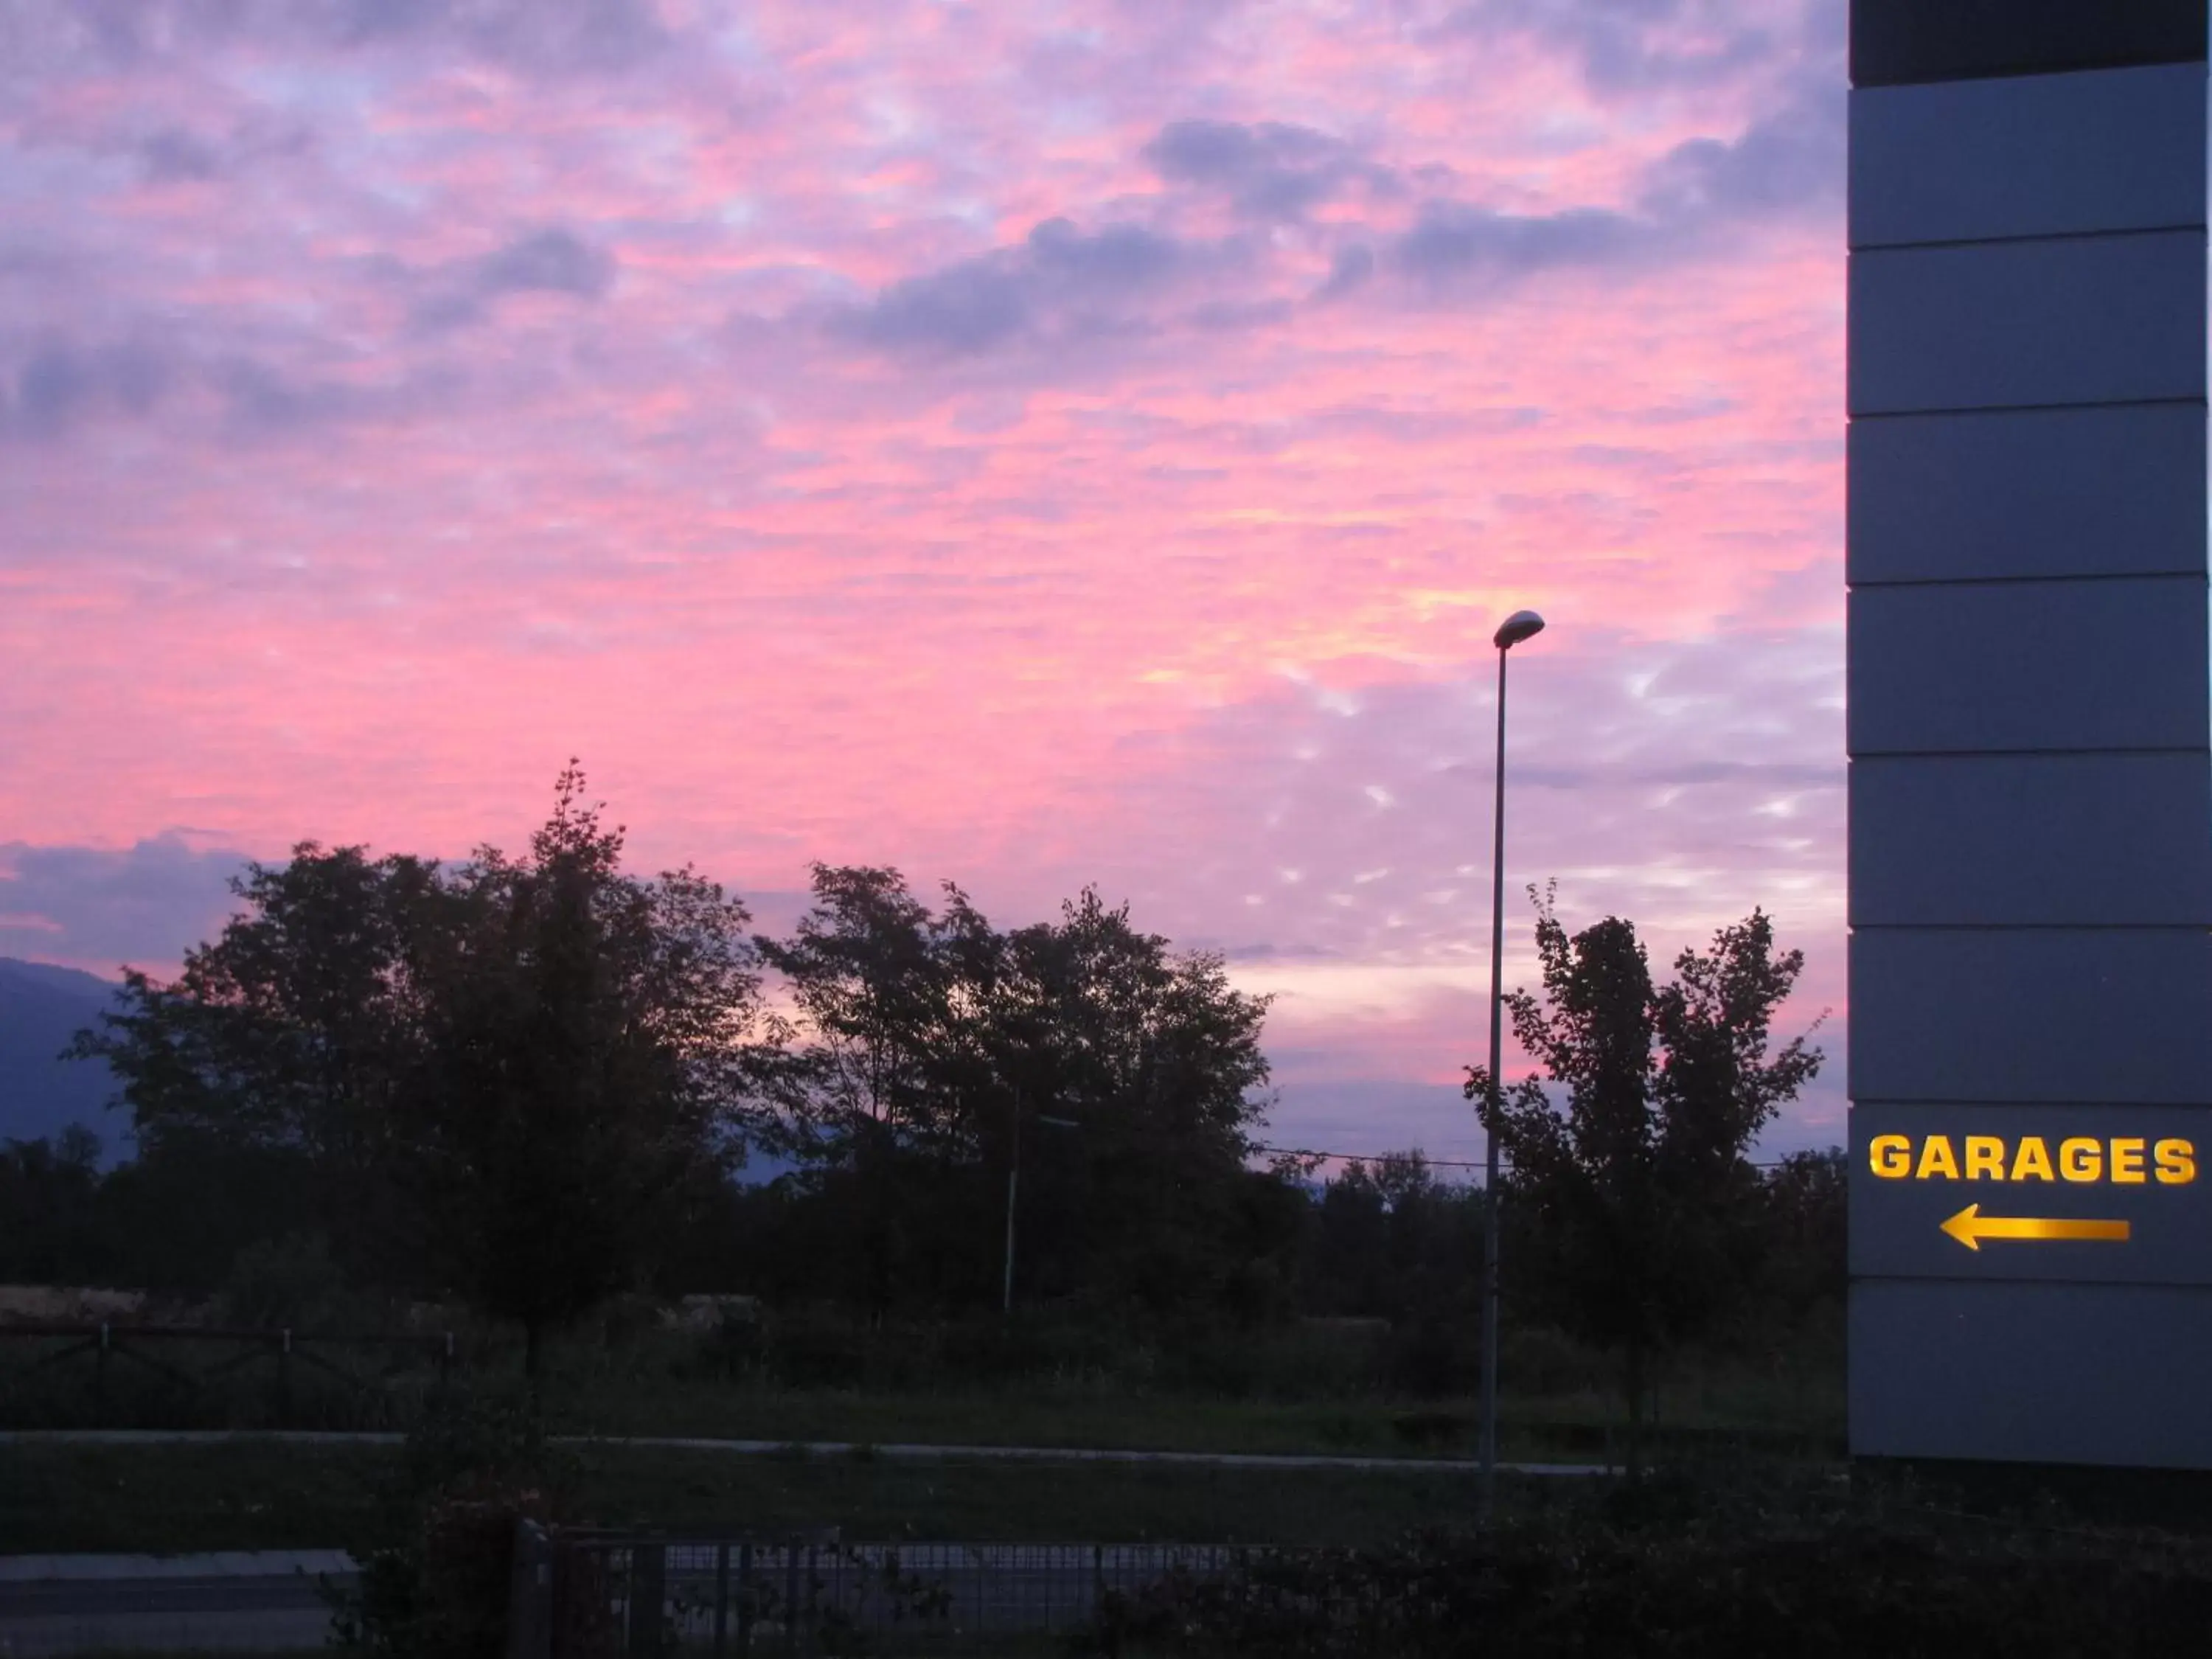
(1897, 42)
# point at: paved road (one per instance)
(972, 1590)
(233, 1601)
(900, 1452)
(247, 1601)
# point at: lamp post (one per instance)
(1013, 1188)
(1520, 625)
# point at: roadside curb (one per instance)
(895, 1452)
(218, 1563)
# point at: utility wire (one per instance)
(1438, 1162)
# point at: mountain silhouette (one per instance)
(41, 1007)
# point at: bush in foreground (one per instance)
(1685, 1573)
(475, 1465)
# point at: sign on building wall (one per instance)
(2029, 732)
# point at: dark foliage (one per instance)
(435, 1582)
(487, 1080)
(1639, 1179)
(1693, 1574)
(584, 1040)
(526, 1082)
(1369, 1279)
(934, 1054)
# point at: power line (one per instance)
(1438, 1162)
(1372, 1158)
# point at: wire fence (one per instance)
(1505, 1165)
(589, 1596)
(57, 1374)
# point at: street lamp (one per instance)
(1013, 1186)
(1520, 625)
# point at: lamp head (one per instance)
(1520, 625)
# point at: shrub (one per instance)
(812, 1349)
(1429, 1358)
(289, 1284)
(1680, 1569)
(733, 1347)
(436, 1585)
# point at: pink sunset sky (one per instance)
(1031, 444)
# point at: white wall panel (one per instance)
(2118, 665)
(2030, 711)
(2037, 1373)
(2025, 1014)
(2051, 492)
(2029, 156)
(2032, 841)
(2086, 319)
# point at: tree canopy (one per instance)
(527, 1081)
(930, 1049)
(1639, 1177)
(512, 1079)
(496, 1073)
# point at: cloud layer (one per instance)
(1027, 447)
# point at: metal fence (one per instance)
(188, 1364)
(582, 1595)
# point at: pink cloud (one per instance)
(1026, 454)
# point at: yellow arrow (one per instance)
(1969, 1227)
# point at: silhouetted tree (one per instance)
(493, 1075)
(280, 1052)
(50, 1195)
(923, 1037)
(586, 1040)
(298, 1026)
(1807, 1200)
(1639, 1178)
(875, 998)
(1157, 1056)
(882, 1093)
(1389, 1240)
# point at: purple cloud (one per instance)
(100, 909)
(551, 261)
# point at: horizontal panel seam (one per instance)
(2177, 400)
(1854, 927)
(2110, 233)
(2102, 66)
(2128, 66)
(2159, 751)
(2098, 1104)
(2105, 1278)
(2166, 402)
(1880, 756)
(2200, 578)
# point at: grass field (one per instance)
(1742, 1411)
(258, 1495)
(1289, 1391)
(1794, 1407)
(1786, 1405)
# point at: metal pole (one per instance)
(745, 1598)
(1490, 1195)
(1014, 1180)
(722, 1600)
